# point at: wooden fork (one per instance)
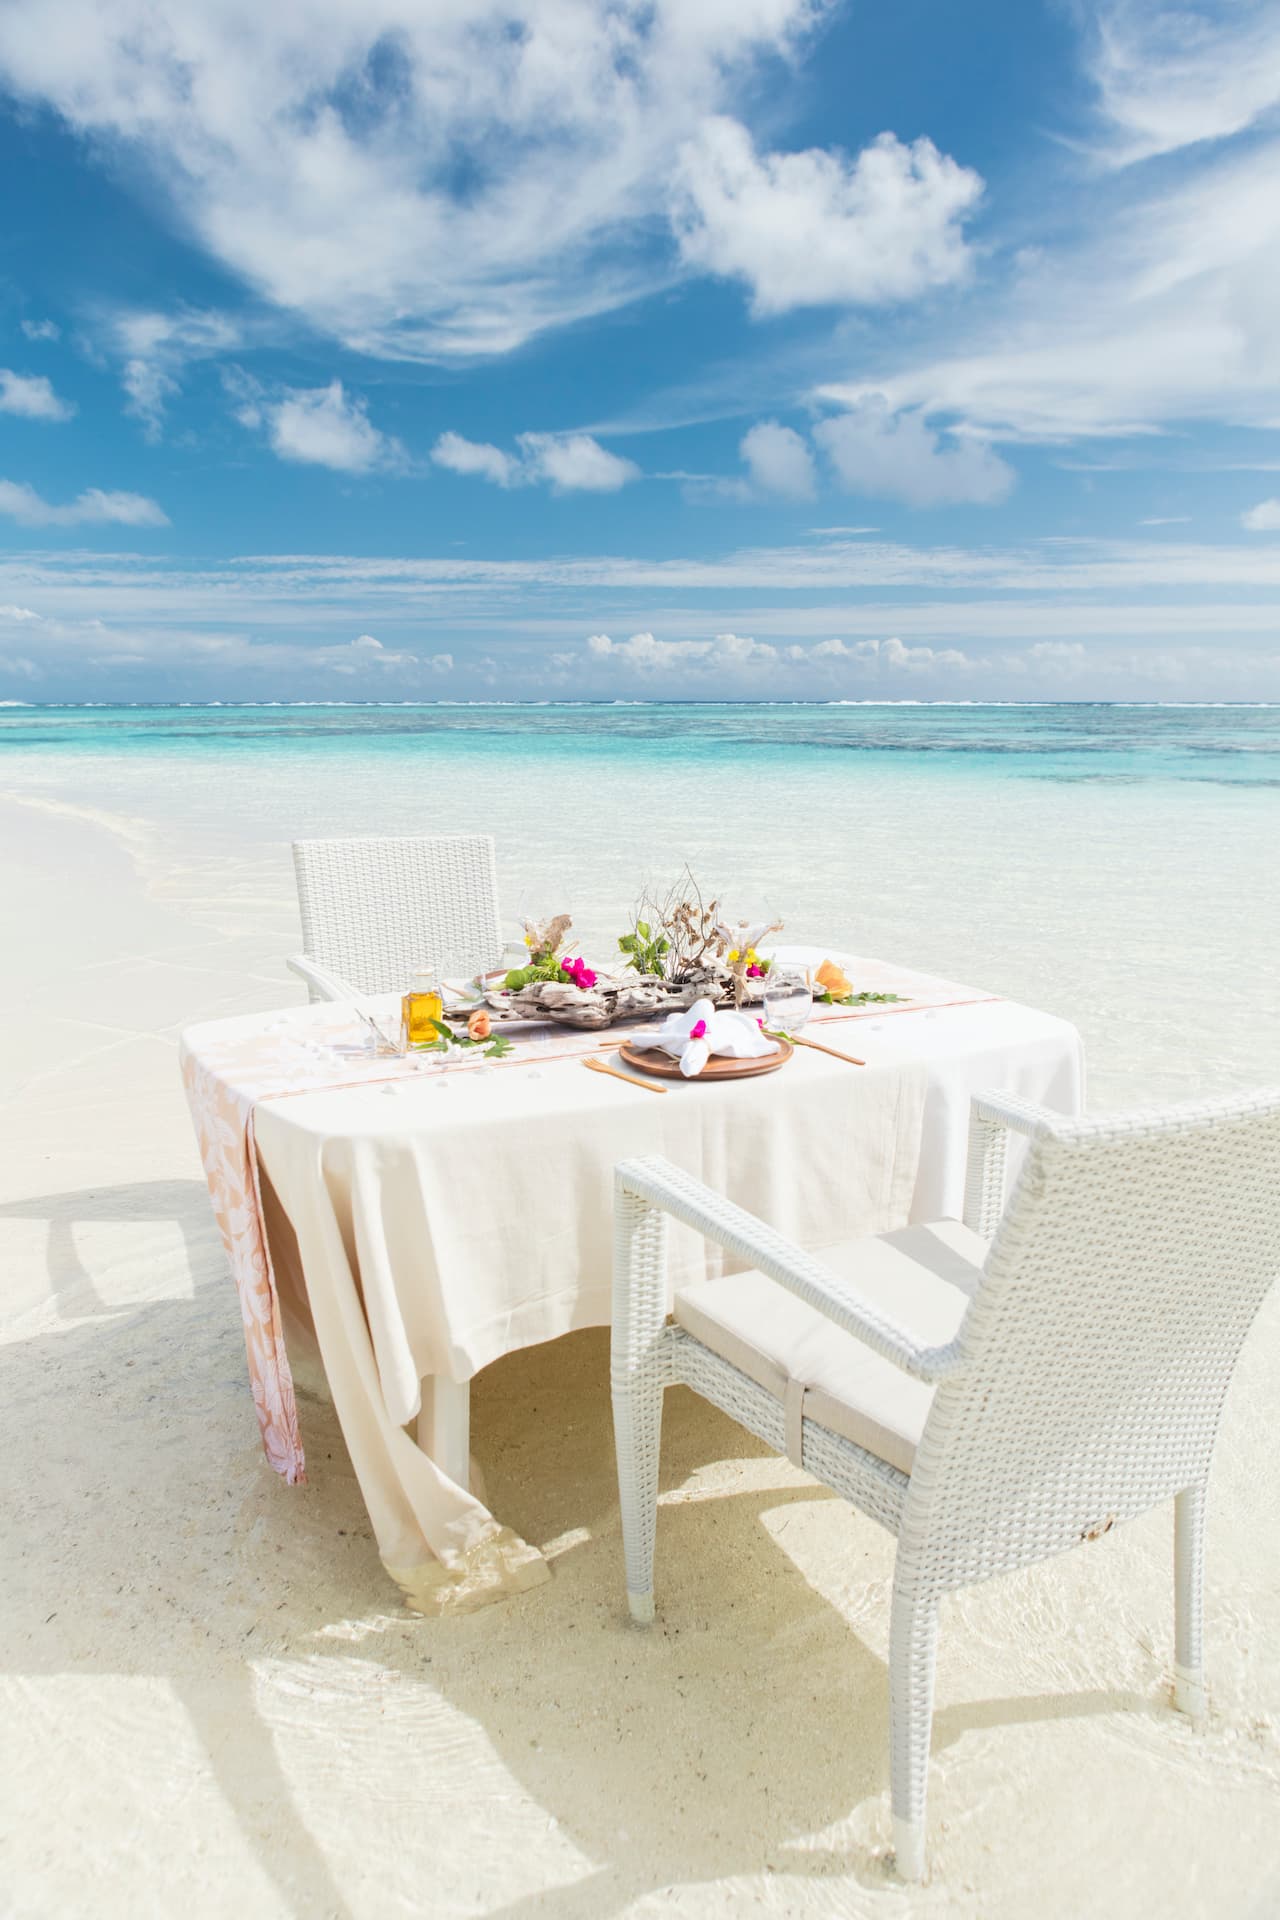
(599, 1066)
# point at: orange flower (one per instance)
(479, 1025)
(834, 979)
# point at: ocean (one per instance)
(1116, 864)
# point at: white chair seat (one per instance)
(921, 1277)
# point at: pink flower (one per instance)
(698, 1032)
(755, 973)
(760, 1024)
(579, 972)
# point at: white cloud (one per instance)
(41, 329)
(324, 427)
(898, 456)
(814, 228)
(979, 622)
(32, 396)
(476, 457)
(1160, 314)
(156, 349)
(568, 462)
(574, 462)
(418, 180)
(645, 654)
(93, 507)
(892, 653)
(1172, 76)
(1264, 518)
(1166, 520)
(778, 460)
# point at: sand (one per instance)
(215, 1705)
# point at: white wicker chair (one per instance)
(372, 910)
(989, 1406)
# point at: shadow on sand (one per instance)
(158, 1542)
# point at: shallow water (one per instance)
(1118, 864)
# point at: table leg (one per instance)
(444, 1426)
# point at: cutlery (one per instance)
(645, 1086)
(798, 1040)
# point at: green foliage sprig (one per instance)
(828, 999)
(645, 949)
(536, 970)
(496, 1047)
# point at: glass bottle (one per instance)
(422, 1005)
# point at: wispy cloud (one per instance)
(32, 396)
(41, 330)
(418, 182)
(1264, 518)
(156, 348)
(1172, 76)
(93, 507)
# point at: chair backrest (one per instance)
(372, 910)
(1131, 1260)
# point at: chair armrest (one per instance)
(992, 1117)
(661, 1185)
(324, 985)
(1011, 1111)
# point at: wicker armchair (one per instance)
(991, 1405)
(372, 910)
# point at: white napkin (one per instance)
(736, 1035)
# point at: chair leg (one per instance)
(913, 1646)
(1188, 1572)
(639, 1375)
(637, 1430)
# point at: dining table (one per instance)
(416, 1220)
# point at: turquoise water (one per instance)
(1117, 864)
(1069, 742)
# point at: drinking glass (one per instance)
(788, 1000)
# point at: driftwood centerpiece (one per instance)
(680, 938)
(596, 1006)
(679, 950)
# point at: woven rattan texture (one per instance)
(373, 910)
(1085, 1384)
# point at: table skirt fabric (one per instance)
(444, 1219)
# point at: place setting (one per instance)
(696, 996)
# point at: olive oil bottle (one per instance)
(421, 1006)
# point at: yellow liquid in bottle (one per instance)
(418, 1010)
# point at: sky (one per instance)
(660, 349)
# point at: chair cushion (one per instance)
(923, 1278)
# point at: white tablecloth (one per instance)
(443, 1220)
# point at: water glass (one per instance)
(788, 1000)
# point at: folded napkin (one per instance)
(693, 1036)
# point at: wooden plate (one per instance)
(654, 1060)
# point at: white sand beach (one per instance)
(214, 1702)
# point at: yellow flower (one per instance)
(528, 939)
(753, 956)
(733, 953)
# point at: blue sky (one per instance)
(440, 349)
